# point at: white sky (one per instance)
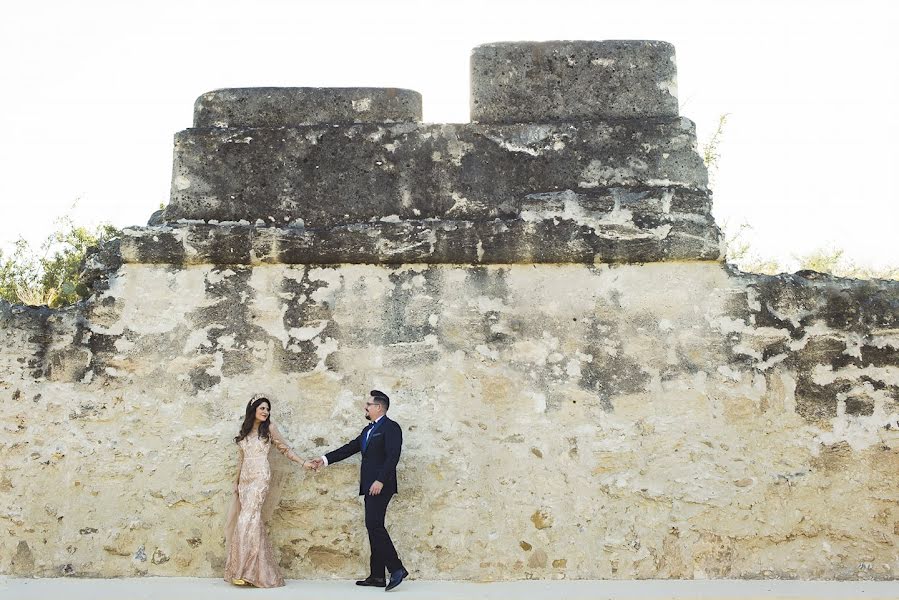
(94, 91)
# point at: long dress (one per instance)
(250, 553)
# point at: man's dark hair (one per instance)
(381, 398)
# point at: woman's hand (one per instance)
(236, 485)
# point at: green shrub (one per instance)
(51, 275)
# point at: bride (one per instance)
(251, 560)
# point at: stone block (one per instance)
(326, 175)
(289, 107)
(594, 191)
(538, 82)
(552, 239)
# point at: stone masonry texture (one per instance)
(586, 389)
(548, 81)
(287, 107)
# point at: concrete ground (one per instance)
(174, 588)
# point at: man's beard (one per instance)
(367, 417)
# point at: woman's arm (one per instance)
(239, 467)
(282, 446)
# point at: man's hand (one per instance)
(375, 488)
(314, 464)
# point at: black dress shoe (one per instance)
(396, 578)
(372, 582)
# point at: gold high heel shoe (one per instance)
(239, 582)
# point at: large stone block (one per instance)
(320, 177)
(527, 82)
(289, 107)
(567, 192)
(324, 175)
(554, 236)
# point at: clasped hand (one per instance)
(313, 464)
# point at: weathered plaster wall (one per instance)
(667, 420)
(586, 391)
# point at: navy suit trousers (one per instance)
(383, 554)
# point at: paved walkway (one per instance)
(175, 588)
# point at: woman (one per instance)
(251, 560)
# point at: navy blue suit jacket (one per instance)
(380, 457)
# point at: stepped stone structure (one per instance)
(587, 390)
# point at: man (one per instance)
(380, 444)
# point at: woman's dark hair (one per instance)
(250, 418)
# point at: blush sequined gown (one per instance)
(250, 554)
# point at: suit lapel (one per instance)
(371, 434)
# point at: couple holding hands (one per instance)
(250, 559)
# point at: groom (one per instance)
(380, 444)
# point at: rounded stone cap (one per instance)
(532, 82)
(288, 107)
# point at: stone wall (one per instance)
(586, 389)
